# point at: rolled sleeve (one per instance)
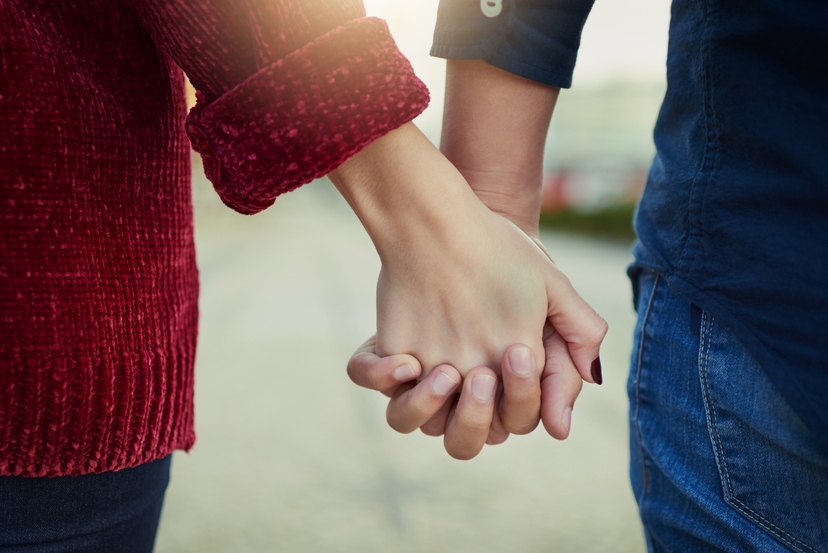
(302, 116)
(536, 39)
(287, 89)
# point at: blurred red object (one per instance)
(554, 196)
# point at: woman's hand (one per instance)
(460, 284)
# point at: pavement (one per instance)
(292, 457)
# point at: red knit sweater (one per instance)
(98, 282)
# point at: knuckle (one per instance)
(357, 371)
(602, 329)
(475, 426)
(352, 371)
(375, 381)
(365, 378)
(598, 333)
(604, 325)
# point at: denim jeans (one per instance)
(112, 512)
(719, 461)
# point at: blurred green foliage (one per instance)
(613, 222)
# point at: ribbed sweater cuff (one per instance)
(301, 117)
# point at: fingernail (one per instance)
(521, 361)
(567, 419)
(404, 373)
(483, 386)
(596, 371)
(443, 384)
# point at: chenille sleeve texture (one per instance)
(287, 89)
(536, 39)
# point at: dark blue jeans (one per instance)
(112, 512)
(719, 460)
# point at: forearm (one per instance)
(494, 130)
(287, 90)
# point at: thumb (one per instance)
(369, 370)
(577, 323)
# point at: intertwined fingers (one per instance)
(560, 385)
(520, 403)
(470, 421)
(414, 405)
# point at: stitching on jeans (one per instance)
(704, 354)
(638, 385)
(768, 526)
(718, 448)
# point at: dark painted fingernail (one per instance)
(596, 371)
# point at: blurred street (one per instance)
(292, 457)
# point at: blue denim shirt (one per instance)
(735, 212)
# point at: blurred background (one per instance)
(293, 457)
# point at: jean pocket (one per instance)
(773, 472)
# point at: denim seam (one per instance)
(639, 364)
(718, 449)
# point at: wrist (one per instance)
(404, 191)
(513, 195)
(494, 131)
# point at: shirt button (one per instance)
(491, 8)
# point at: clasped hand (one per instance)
(466, 302)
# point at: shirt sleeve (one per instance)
(287, 90)
(536, 39)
